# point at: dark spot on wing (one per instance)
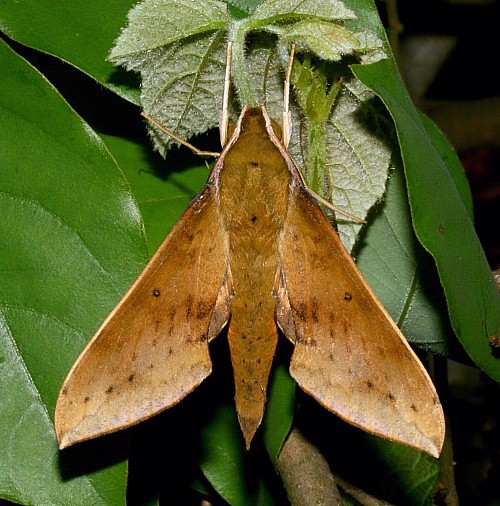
(345, 327)
(156, 292)
(131, 377)
(110, 389)
(172, 317)
(391, 397)
(254, 164)
(347, 296)
(253, 218)
(64, 391)
(301, 311)
(369, 384)
(314, 310)
(414, 408)
(87, 399)
(189, 307)
(202, 310)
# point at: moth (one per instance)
(253, 252)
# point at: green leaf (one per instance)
(226, 464)
(162, 190)
(410, 476)
(153, 24)
(331, 42)
(80, 33)
(328, 40)
(347, 152)
(61, 193)
(178, 48)
(442, 222)
(399, 271)
(358, 155)
(245, 6)
(453, 164)
(280, 408)
(272, 11)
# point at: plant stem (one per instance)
(306, 474)
(240, 74)
(315, 154)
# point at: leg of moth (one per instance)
(224, 117)
(286, 117)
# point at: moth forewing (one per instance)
(349, 354)
(153, 348)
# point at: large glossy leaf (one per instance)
(442, 222)
(440, 208)
(410, 476)
(280, 410)
(71, 242)
(80, 33)
(228, 467)
(162, 188)
(401, 273)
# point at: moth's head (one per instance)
(253, 120)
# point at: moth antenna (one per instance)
(286, 121)
(224, 117)
(194, 149)
(330, 206)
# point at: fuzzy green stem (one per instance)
(239, 72)
(316, 140)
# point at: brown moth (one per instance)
(255, 252)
